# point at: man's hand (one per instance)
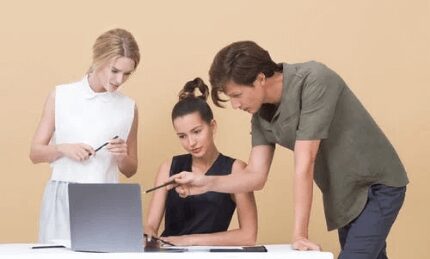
(189, 184)
(304, 244)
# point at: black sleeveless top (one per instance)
(206, 213)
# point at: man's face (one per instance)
(248, 98)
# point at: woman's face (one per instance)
(195, 135)
(113, 74)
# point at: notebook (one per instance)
(108, 218)
(105, 217)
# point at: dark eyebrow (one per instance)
(196, 127)
(193, 129)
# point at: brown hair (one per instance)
(240, 62)
(113, 44)
(189, 102)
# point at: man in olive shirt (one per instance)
(309, 109)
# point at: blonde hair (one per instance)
(114, 43)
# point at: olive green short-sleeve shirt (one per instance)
(354, 153)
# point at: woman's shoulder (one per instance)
(65, 92)
(180, 163)
(227, 158)
(181, 158)
(225, 165)
(236, 164)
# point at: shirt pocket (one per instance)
(285, 130)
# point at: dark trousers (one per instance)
(364, 237)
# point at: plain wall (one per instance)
(380, 48)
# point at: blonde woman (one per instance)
(81, 116)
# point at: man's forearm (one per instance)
(237, 183)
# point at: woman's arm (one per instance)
(158, 201)
(251, 178)
(42, 151)
(126, 152)
(245, 235)
(305, 152)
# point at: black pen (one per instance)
(97, 149)
(160, 186)
(159, 239)
(47, 246)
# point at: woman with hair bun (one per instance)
(202, 219)
(79, 117)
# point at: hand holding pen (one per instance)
(117, 147)
(81, 151)
(75, 151)
(105, 144)
(188, 184)
(151, 241)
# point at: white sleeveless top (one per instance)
(84, 116)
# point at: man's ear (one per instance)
(260, 80)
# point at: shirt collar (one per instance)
(271, 112)
(282, 106)
(89, 93)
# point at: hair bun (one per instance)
(188, 91)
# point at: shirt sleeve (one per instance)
(257, 133)
(319, 97)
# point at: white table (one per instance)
(23, 251)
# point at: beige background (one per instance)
(380, 48)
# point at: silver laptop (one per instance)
(106, 217)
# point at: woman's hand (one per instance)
(77, 152)
(179, 240)
(118, 148)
